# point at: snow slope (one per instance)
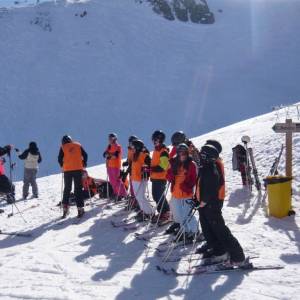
(124, 68)
(92, 260)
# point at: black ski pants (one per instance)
(5, 185)
(217, 234)
(69, 177)
(158, 190)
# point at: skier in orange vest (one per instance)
(73, 159)
(113, 156)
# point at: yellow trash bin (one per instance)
(279, 195)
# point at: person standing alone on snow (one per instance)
(32, 158)
(73, 159)
(113, 156)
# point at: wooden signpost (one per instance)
(288, 128)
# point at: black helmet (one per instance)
(66, 139)
(216, 144)
(209, 152)
(132, 138)
(158, 135)
(182, 148)
(138, 145)
(112, 136)
(178, 137)
(33, 145)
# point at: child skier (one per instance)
(223, 246)
(140, 167)
(182, 175)
(159, 167)
(32, 158)
(113, 156)
(132, 201)
(72, 159)
(177, 138)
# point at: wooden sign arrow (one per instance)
(286, 127)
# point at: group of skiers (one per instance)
(194, 177)
(32, 158)
(196, 180)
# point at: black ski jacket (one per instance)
(4, 150)
(210, 181)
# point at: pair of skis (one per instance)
(222, 268)
(250, 160)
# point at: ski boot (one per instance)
(173, 229)
(65, 211)
(203, 248)
(80, 212)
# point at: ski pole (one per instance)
(11, 182)
(62, 190)
(180, 233)
(164, 198)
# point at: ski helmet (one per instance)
(138, 145)
(112, 136)
(209, 152)
(178, 137)
(246, 139)
(158, 135)
(33, 146)
(66, 139)
(216, 144)
(182, 148)
(132, 138)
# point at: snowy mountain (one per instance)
(91, 67)
(93, 260)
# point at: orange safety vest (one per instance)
(222, 188)
(114, 162)
(136, 167)
(177, 192)
(155, 162)
(73, 160)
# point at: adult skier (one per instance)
(182, 175)
(73, 159)
(113, 156)
(159, 167)
(32, 158)
(223, 246)
(140, 167)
